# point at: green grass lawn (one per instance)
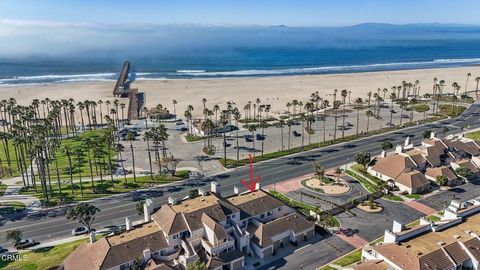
(3, 157)
(473, 135)
(348, 259)
(447, 110)
(413, 196)
(102, 189)
(84, 167)
(43, 258)
(3, 187)
(364, 182)
(194, 138)
(8, 208)
(392, 197)
(420, 108)
(302, 207)
(63, 165)
(433, 218)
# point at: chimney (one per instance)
(397, 227)
(399, 149)
(215, 188)
(202, 191)
(92, 237)
(257, 186)
(147, 255)
(383, 154)
(147, 209)
(432, 135)
(128, 224)
(172, 200)
(407, 141)
(236, 191)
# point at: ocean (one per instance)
(412, 51)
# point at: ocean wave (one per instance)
(343, 68)
(191, 71)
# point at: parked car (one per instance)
(260, 137)
(248, 138)
(25, 243)
(183, 129)
(393, 111)
(405, 116)
(348, 124)
(79, 231)
(3, 250)
(179, 123)
(296, 134)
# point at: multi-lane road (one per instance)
(115, 209)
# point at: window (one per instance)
(262, 215)
(270, 213)
(175, 247)
(279, 209)
(175, 236)
(243, 223)
(125, 266)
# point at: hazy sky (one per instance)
(244, 12)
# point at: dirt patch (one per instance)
(376, 207)
(332, 189)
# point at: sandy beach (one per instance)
(276, 91)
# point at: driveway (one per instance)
(370, 226)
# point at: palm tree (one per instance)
(290, 105)
(146, 137)
(289, 124)
(325, 104)
(454, 99)
(344, 94)
(385, 91)
(224, 122)
(204, 101)
(68, 152)
(174, 102)
(131, 137)
(335, 107)
(252, 129)
(79, 153)
(263, 124)
(237, 116)
(477, 79)
(302, 120)
(358, 102)
(216, 108)
(403, 106)
(369, 114)
(466, 83)
(281, 124)
(393, 97)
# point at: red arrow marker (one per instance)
(252, 183)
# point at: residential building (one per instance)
(451, 243)
(216, 230)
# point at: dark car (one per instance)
(25, 243)
(179, 123)
(393, 111)
(296, 134)
(248, 138)
(260, 137)
(183, 129)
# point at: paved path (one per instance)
(354, 240)
(421, 207)
(289, 185)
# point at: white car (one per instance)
(79, 231)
